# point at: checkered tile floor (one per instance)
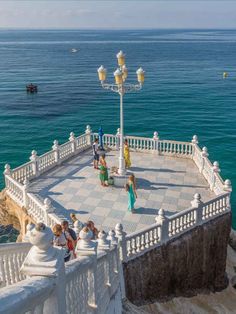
(165, 182)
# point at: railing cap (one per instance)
(161, 216)
(195, 139)
(43, 259)
(88, 129)
(7, 169)
(103, 243)
(112, 237)
(155, 136)
(86, 246)
(55, 144)
(228, 185)
(216, 166)
(34, 155)
(72, 136)
(196, 202)
(205, 152)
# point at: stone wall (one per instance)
(186, 265)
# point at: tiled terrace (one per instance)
(166, 182)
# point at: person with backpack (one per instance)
(70, 236)
(60, 240)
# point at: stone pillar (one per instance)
(215, 169)
(47, 210)
(197, 203)
(112, 237)
(72, 139)
(120, 234)
(194, 142)
(204, 155)
(163, 220)
(228, 188)
(86, 247)
(118, 139)
(29, 228)
(104, 246)
(7, 170)
(155, 143)
(25, 191)
(47, 261)
(77, 227)
(34, 160)
(88, 133)
(55, 148)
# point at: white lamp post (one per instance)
(120, 87)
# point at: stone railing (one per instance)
(17, 180)
(91, 283)
(12, 256)
(166, 228)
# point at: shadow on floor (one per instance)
(137, 169)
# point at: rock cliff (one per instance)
(191, 263)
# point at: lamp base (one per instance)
(120, 180)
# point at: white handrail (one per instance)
(12, 256)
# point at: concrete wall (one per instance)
(186, 265)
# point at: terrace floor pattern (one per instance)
(162, 182)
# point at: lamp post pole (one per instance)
(121, 169)
(121, 88)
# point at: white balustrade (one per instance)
(46, 161)
(12, 256)
(15, 190)
(215, 207)
(141, 241)
(182, 221)
(29, 296)
(175, 148)
(65, 151)
(23, 172)
(81, 143)
(36, 208)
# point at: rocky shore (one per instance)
(9, 227)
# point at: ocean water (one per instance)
(184, 93)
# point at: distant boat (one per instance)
(225, 75)
(31, 88)
(73, 50)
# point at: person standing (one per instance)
(70, 236)
(132, 193)
(103, 171)
(95, 154)
(127, 154)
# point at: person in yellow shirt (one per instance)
(127, 155)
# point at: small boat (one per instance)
(74, 50)
(31, 88)
(225, 75)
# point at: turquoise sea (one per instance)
(184, 93)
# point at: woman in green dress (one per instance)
(103, 171)
(132, 194)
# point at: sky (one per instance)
(119, 14)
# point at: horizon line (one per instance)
(113, 29)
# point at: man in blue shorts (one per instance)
(95, 154)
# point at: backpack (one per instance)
(72, 234)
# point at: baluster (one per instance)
(155, 236)
(134, 248)
(147, 240)
(151, 238)
(138, 243)
(142, 242)
(129, 251)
